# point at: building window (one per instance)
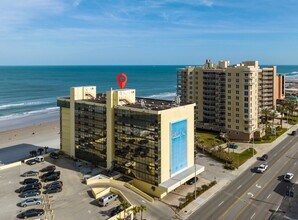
(229, 86)
(237, 74)
(237, 109)
(237, 86)
(229, 74)
(229, 97)
(237, 127)
(237, 115)
(237, 103)
(237, 121)
(229, 80)
(237, 91)
(237, 97)
(237, 80)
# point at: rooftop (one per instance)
(141, 103)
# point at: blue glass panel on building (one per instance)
(178, 146)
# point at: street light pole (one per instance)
(195, 182)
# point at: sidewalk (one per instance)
(260, 148)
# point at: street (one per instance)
(253, 195)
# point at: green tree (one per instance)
(265, 113)
(282, 110)
(124, 206)
(142, 208)
(273, 116)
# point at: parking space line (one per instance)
(252, 215)
(220, 203)
(239, 187)
(268, 196)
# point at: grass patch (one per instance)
(293, 120)
(268, 138)
(191, 196)
(239, 159)
(208, 138)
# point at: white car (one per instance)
(288, 176)
(262, 168)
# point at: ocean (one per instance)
(33, 90)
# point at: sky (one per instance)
(146, 32)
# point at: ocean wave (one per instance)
(164, 95)
(294, 73)
(7, 106)
(25, 114)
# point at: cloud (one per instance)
(76, 3)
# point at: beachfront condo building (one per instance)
(229, 98)
(149, 140)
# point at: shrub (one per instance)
(229, 166)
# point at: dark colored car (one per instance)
(30, 173)
(33, 186)
(51, 178)
(30, 181)
(293, 133)
(31, 162)
(54, 184)
(54, 155)
(30, 193)
(57, 173)
(48, 168)
(116, 211)
(264, 157)
(52, 190)
(31, 213)
(192, 181)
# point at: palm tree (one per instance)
(265, 113)
(282, 110)
(273, 115)
(33, 153)
(135, 210)
(142, 208)
(40, 150)
(124, 206)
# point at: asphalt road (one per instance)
(253, 195)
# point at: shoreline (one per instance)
(16, 143)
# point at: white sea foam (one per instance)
(7, 106)
(30, 113)
(164, 95)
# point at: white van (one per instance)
(105, 200)
(39, 159)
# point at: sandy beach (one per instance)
(15, 144)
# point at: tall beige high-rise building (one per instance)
(229, 98)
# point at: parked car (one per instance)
(116, 211)
(31, 201)
(54, 184)
(30, 173)
(105, 200)
(50, 173)
(30, 180)
(31, 162)
(264, 157)
(288, 177)
(52, 190)
(51, 178)
(39, 159)
(31, 213)
(32, 186)
(293, 133)
(30, 193)
(54, 155)
(192, 181)
(48, 168)
(262, 168)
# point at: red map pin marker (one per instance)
(121, 79)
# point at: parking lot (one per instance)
(75, 201)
